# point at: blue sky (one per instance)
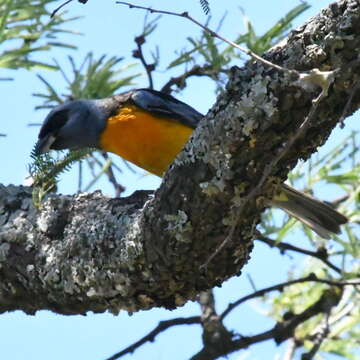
(110, 29)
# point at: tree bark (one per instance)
(89, 253)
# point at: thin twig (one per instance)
(321, 255)
(150, 337)
(138, 54)
(60, 7)
(228, 238)
(212, 33)
(251, 281)
(80, 177)
(64, 4)
(91, 161)
(111, 176)
(279, 287)
(103, 170)
(196, 70)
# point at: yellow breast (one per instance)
(148, 141)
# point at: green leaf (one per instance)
(28, 25)
(277, 32)
(93, 78)
(45, 170)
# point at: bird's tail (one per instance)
(316, 214)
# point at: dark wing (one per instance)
(165, 105)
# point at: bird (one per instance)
(149, 128)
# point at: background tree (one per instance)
(331, 324)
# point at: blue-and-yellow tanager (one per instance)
(149, 128)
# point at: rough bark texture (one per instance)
(87, 252)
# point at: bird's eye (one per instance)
(54, 123)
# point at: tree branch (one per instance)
(180, 81)
(319, 337)
(150, 337)
(282, 331)
(215, 335)
(138, 54)
(111, 176)
(321, 254)
(89, 253)
(279, 287)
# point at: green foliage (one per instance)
(205, 49)
(259, 44)
(26, 29)
(338, 167)
(94, 78)
(45, 171)
(343, 316)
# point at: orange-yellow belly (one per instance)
(148, 141)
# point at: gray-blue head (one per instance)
(73, 125)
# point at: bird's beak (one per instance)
(43, 145)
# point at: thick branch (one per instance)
(86, 252)
(216, 337)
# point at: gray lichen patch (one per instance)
(89, 245)
(52, 217)
(17, 217)
(213, 187)
(4, 251)
(179, 226)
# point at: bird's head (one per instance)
(73, 125)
